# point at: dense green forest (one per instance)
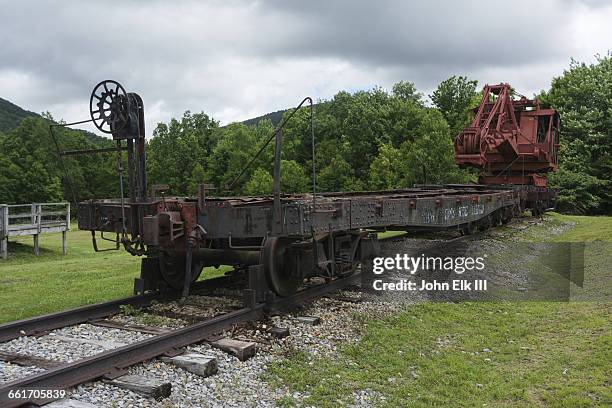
(376, 139)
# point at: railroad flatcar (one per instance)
(280, 240)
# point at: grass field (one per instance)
(500, 354)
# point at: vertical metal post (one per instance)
(277, 227)
(188, 267)
(314, 167)
(4, 231)
(201, 197)
(120, 171)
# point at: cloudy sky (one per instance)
(238, 59)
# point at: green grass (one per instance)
(582, 228)
(431, 354)
(33, 285)
(390, 234)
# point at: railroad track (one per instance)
(40, 325)
(113, 363)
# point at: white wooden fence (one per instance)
(33, 219)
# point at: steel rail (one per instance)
(41, 324)
(113, 363)
(312, 292)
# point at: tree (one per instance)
(429, 157)
(454, 97)
(582, 96)
(293, 178)
(198, 176)
(386, 169)
(259, 184)
(177, 148)
(237, 145)
(408, 92)
(33, 172)
(338, 175)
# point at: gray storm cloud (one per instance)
(236, 59)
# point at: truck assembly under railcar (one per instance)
(282, 239)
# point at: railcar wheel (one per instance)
(277, 267)
(485, 223)
(497, 218)
(469, 228)
(172, 268)
(506, 215)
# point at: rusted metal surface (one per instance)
(241, 217)
(513, 141)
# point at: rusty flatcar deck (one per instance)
(246, 217)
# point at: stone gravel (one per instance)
(240, 384)
(10, 372)
(51, 349)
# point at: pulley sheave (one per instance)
(109, 106)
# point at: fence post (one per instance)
(36, 222)
(68, 216)
(39, 216)
(65, 232)
(33, 214)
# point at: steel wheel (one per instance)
(277, 267)
(172, 268)
(109, 106)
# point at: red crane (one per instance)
(512, 141)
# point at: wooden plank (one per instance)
(32, 231)
(64, 243)
(4, 247)
(176, 315)
(198, 364)
(102, 343)
(130, 327)
(279, 332)
(36, 245)
(309, 320)
(241, 349)
(28, 361)
(151, 387)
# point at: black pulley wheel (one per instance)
(172, 268)
(109, 106)
(278, 266)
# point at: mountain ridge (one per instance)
(11, 115)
